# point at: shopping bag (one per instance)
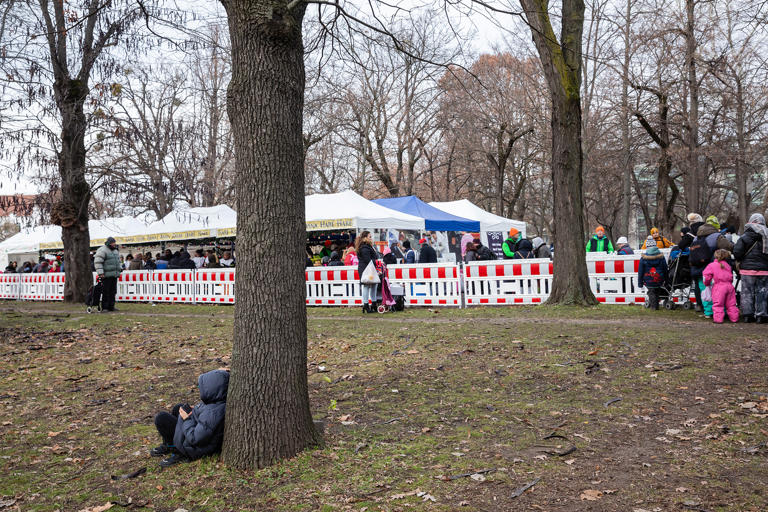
(370, 275)
(706, 294)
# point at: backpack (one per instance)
(485, 254)
(700, 253)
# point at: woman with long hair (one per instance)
(366, 254)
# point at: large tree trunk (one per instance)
(561, 63)
(268, 416)
(626, 180)
(693, 181)
(71, 210)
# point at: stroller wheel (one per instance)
(88, 310)
(687, 305)
(647, 303)
(669, 305)
(382, 308)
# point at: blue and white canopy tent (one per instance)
(434, 218)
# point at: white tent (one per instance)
(348, 210)
(191, 223)
(488, 221)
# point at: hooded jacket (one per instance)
(540, 249)
(748, 251)
(107, 261)
(652, 270)
(427, 254)
(596, 244)
(202, 432)
(524, 250)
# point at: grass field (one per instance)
(613, 408)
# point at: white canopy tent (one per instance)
(488, 221)
(348, 210)
(193, 223)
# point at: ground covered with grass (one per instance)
(611, 408)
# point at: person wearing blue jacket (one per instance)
(190, 433)
(652, 272)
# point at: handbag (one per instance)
(370, 275)
(706, 294)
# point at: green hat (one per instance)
(712, 221)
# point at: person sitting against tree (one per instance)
(510, 244)
(661, 242)
(599, 242)
(192, 432)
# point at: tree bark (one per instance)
(268, 416)
(71, 210)
(626, 192)
(693, 182)
(561, 62)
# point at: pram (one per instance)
(390, 297)
(678, 284)
(93, 297)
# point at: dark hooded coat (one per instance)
(202, 432)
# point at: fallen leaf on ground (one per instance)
(591, 495)
(100, 508)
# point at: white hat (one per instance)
(622, 240)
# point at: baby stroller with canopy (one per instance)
(678, 285)
(386, 300)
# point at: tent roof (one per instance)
(347, 209)
(488, 220)
(202, 222)
(435, 219)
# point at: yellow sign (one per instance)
(323, 225)
(226, 232)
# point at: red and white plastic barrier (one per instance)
(215, 286)
(333, 286)
(9, 286)
(613, 280)
(433, 284)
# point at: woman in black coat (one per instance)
(366, 254)
(751, 251)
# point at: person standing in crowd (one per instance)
(652, 271)
(524, 250)
(350, 256)
(182, 261)
(599, 242)
(199, 258)
(397, 253)
(148, 263)
(366, 254)
(137, 263)
(161, 261)
(695, 221)
(510, 244)
(427, 254)
(623, 248)
(540, 249)
(661, 242)
(702, 249)
(42, 268)
(719, 275)
(127, 262)
(326, 250)
(107, 263)
(410, 254)
(227, 260)
(483, 252)
(471, 252)
(386, 256)
(751, 251)
(212, 261)
(335, 260)
(11, 268)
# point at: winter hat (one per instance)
(407, 244)
(599, 230)
(757, 224)
(327, 243)
(712, 221)
(513, 232)
(622, 240)
(650, 242)
(654, 231)
(652, 251)
(423, 241)
(110, 241)
(694, 217)
(537, 242)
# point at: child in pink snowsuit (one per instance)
(720, 273)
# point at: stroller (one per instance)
(678, 285)
(93, 297)
(387, 301)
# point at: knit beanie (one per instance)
(622, 240)
(537, 242)
(694, 217)
(650, 242)
(712, 221)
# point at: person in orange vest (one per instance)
(661, 242)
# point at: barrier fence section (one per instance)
(333, 286)
(432, 284)
(502, 282)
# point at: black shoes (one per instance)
(173, 459)
(159, 451)
(762, 319)
(748, 319)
